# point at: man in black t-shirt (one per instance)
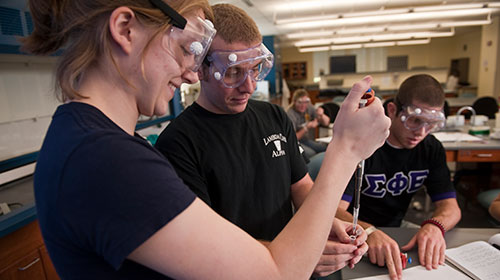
(410, 159)
(241, 156)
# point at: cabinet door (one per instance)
(50, 271)
(28, 268)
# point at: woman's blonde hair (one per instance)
(81, 28)
(298, 93)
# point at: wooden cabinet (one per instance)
(470, 155)
(478, 156)
(295, 70)
(24, 256)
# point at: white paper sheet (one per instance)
(420, 272)
(455, 137)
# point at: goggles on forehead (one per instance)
(187, 41)
(414, 118)
(232, 67)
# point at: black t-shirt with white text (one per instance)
(242, 165)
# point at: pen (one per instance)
(366, 99)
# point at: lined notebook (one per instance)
(480, 260)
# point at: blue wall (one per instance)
(269, 42)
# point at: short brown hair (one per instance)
(234, 25)
(82, 27)
(423, 88)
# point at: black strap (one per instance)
(177, 20)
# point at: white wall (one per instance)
(27, 102)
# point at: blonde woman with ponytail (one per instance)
(109, 205)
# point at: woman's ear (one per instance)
(121, 24)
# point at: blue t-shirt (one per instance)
(100, 193)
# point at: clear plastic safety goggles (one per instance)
(414, 118)
(189, 46)
(187, 41)
(232, 67)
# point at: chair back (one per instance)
(331, 110)
(486, 105)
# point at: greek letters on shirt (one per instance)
(378, 185)
(276, 140)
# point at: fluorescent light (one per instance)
(382, 28)
(367, 45)
(372, 38)
(333, 20)
(376, 13)
(465, 23)
(413, 42)
(314, 49)
(313, 42)
(301, 35)
(379, 44)
(415, 26)
(367, 29)
(449, 7)
(345, 47)
(322, 4)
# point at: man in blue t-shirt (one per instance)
(410, 159)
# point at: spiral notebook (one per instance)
(480, 260)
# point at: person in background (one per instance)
(410, 159)
(239, 155)
(305, 119)
(452, 81)
(110, 206)
(494, 208)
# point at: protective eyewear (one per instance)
(232, 67)
(189, 46)
(303, 101)
(414, 118)
(187, 41)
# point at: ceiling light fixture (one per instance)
(367, 45)
(374, 38)
(328, 21)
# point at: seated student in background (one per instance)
(110, 206)
(239, 155)
(410, 159)
(305, 119)
(494, 208)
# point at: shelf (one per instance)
(295, 71)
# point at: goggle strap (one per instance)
(176, 19)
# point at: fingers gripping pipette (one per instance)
(358, 175)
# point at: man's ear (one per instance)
(203, 72)
(392, 110)
(121, 23)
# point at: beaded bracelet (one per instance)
(436, 223)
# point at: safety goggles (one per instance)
(187, 41)
(232, 67)
(414, 118)
(303, 101)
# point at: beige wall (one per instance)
(488, 76)
(440, 51)
(291, 54)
